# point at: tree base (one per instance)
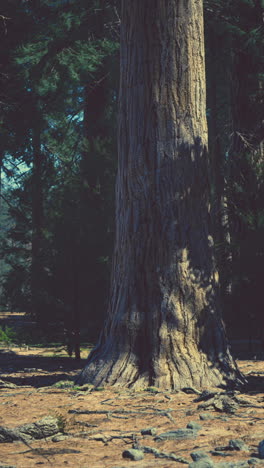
(189, 369)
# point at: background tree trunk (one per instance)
(164, 325)
(220, 177)
(37, 224)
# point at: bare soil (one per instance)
(114, 418)
(97, 440)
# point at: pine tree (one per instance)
(164, 324)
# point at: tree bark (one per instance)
(164, 325)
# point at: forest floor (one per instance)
(99, 425)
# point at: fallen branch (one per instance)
(159, 454)
(124, 412)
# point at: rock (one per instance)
(238, 444)
(199, 455)
(149, 431)
(234, 444)
(59, 438)
(204, 463)
(46, 427)
(100, 438)
(9, 435)
(159, 454)
(255, 461)
(194, 425)
(224, 418)
(242, 464)
(7, 466)
(178, 434)
(261, 449)
(133, 454)
(206, 416)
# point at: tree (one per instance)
(234, 32)
(164, 324)
(62, 134)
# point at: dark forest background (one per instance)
(59, 71)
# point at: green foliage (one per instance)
(69, 385)
(63, 54)
(7, 336)
(152, 390)
(62, 384)
(234, 48)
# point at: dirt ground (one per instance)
(97, 440)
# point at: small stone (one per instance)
(178, 434)
(223, 418)
(59, 438)
(149, 431)
(199, 455)
(238, 444)
(194, 425)
(204, 463)
(241, 464)
(7, 466)
(133, 454)
(261, 450)
(206, 416)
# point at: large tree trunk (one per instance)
(164, 325)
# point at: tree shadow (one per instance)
(37, 371)
(255, 384)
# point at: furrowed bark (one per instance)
(164, 324)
